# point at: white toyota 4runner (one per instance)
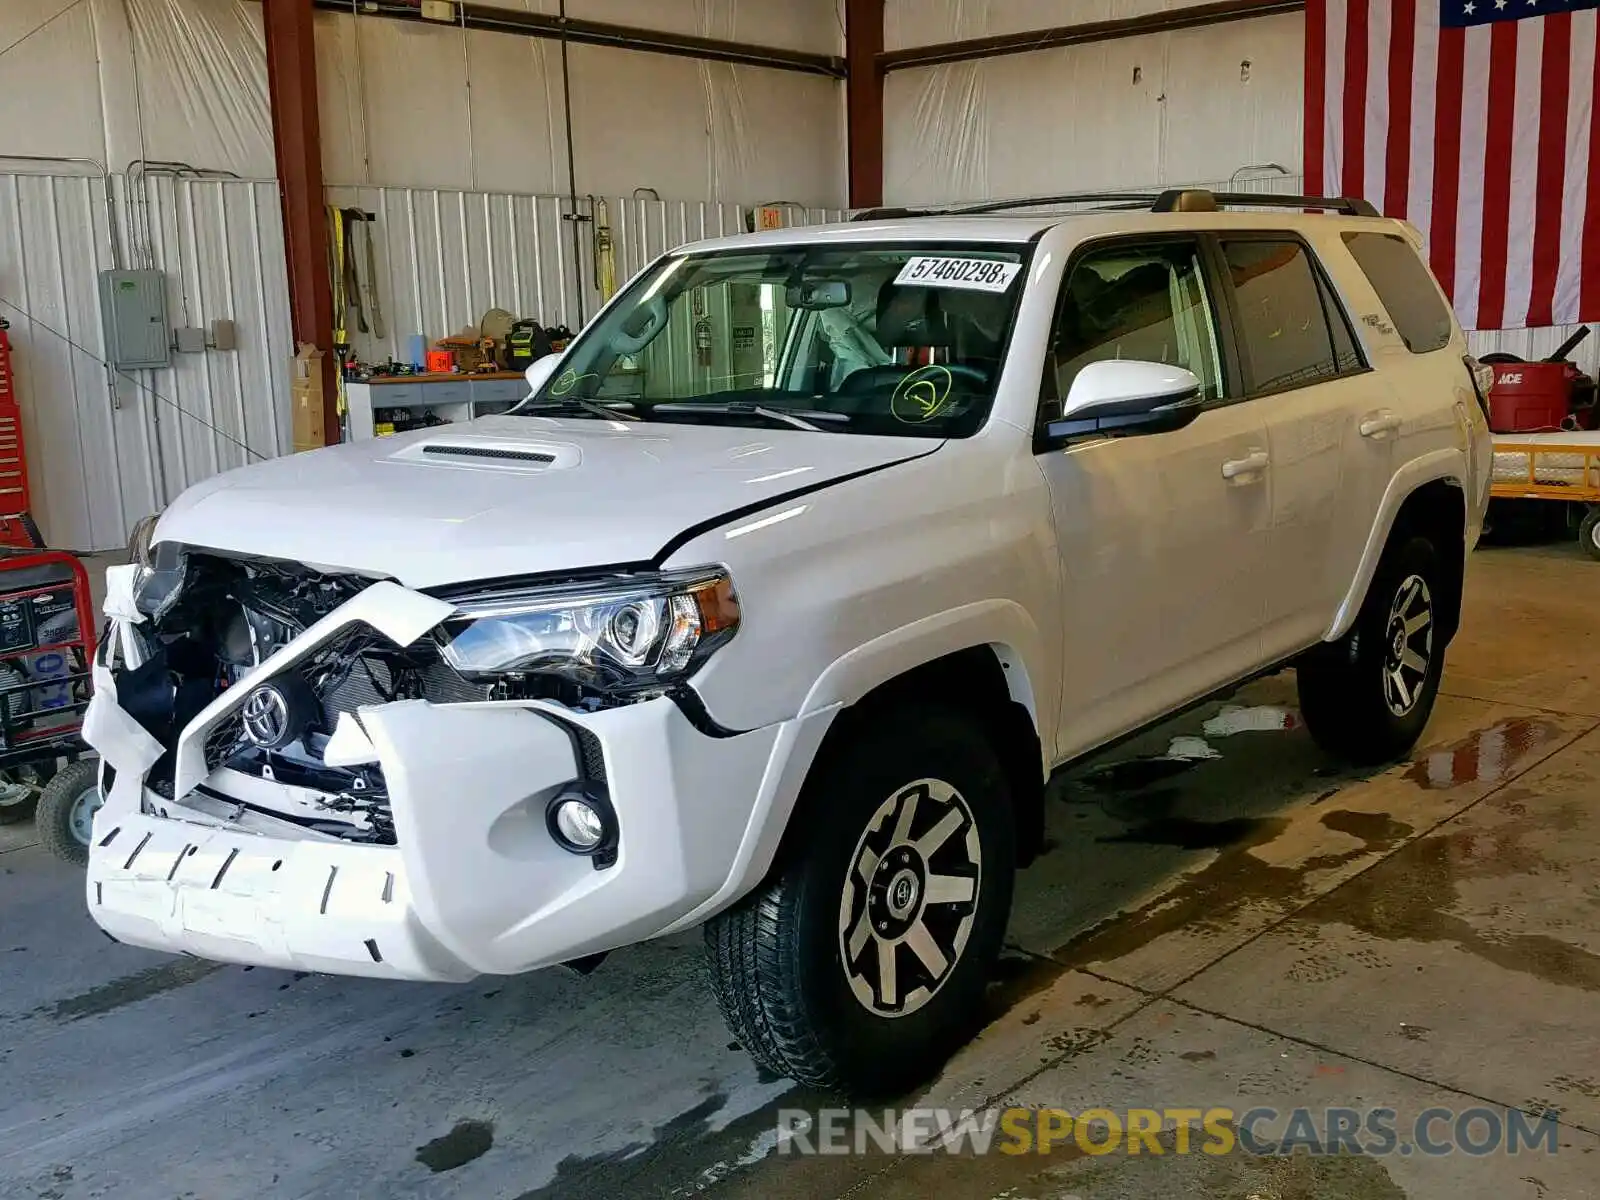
(775, 604)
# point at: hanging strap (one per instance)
(371, 287)
(352, 280)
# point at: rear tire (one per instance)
(1367, 697)
(861, 964)
(66, 811)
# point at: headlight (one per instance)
(624, 635)
(162, 571)
(139, 540)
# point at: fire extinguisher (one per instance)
(702, 341)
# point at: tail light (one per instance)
(1482, 376)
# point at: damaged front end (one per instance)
(318, 770)
(203, 624)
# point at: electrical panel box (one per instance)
(133, 305)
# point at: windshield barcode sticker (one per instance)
(974, 274)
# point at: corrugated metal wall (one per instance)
(105, 448)
(444, 258)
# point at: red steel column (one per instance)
(297, 144)
(863, 39)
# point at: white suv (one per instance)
(776, 603)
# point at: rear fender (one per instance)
(1427, 468)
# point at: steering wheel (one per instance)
(872, 379)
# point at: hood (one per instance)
(511, 495)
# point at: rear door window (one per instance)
(1282, 317)
(1405, 287)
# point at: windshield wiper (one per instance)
(589, 406)
(804, 418)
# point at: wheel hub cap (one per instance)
(81, 818)
(895, 894)
(1409, 652)
(910, 898)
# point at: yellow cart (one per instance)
(1552, 466)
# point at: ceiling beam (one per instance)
(596, 33)
(1191, 17)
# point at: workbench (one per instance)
(448, 397)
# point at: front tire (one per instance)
(861, 964)
(1367, 697)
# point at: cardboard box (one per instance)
(305, 392)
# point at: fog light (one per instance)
(579, 826)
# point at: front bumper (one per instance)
(475, 883)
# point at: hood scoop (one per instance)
(504, 454)
(538, 456)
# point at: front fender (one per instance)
(1003, 625)
(1426, 468)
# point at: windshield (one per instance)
(899, 339)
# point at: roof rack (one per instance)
(1201, 200)
(1172, 200)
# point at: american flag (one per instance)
(1474, 120)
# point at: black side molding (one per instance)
(689, 703)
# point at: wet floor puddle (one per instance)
(1416, 894)
(1067, 1172)
(131, 989)
(1486, 756)
(467, 1141)
(1238, 879)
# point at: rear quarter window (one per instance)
(1407, 290)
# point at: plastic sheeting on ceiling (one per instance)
(120, 80)
(49, 85)
(1162, 108)
(908, 23)
(411, 105)
(816, 26)
(202, 80)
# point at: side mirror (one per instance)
(1117, 397)
(538, 372)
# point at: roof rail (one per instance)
(1201, 200)
(1173, 200)
(1131, 200)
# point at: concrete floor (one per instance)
(1256, 929)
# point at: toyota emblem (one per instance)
(266, 716)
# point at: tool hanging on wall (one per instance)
(360, 293)
(605, 254)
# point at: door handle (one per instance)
(1378, 425)
(1240, 468)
